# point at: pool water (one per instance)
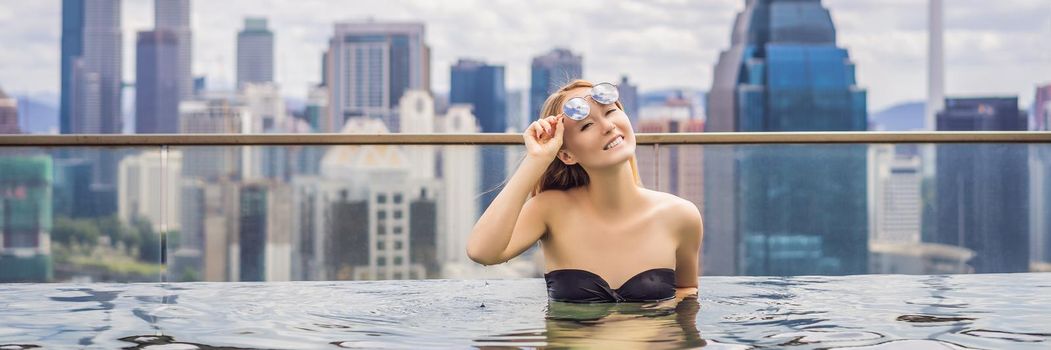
(858, 312)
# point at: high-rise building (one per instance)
(8, 114)
(784, 72)
(255, 53)
(156, 86)
(518, 117)
(629, 98)
(983, 189)
(260, 248)
(72, 48)
(370, 65)
(482, 86)
(549, 72)
(148, 188)
(211, 116)
(354, 220)
(317, 108)
(174, 16)
(25, 211)
(935, 64)
(96, 75)
(416, 109)
(1040, 114)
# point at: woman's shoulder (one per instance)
(672, 206)
(670, 201)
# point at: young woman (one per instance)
(605, 238)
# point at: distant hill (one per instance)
(907, 116)
(37, 116)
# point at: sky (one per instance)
(992, 48)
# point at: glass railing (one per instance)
(128, 208)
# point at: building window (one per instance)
(397, 229)
(397, 214)
(381, 245)
(381, 261)
(382, 215)
(398, 276)
(397, 260)
(397, 245)
(381, 229)
(397, 198)
(381, 198)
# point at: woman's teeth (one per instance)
(614, 143)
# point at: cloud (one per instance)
(657, 43)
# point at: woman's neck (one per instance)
(612, 191)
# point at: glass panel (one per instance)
(82, 214)
(325, 221)
(856, 209)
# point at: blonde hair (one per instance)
(558, 175)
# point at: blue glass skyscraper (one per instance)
(789, 210)
(482, 86)
(983, 190)
(549, 72)
(72, 47)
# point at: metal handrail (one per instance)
(92, 140)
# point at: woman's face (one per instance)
(603, 138)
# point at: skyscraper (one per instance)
(156, 88)
(935, 64)
(25, 208)
(549, 72)
(174, 16)
(784, 72)
(629, 98)
(8, 114)
(72, 47)
(482, 86)
(255, 53)
(983, 189)
(97, 75)
(370, 65)
(1040, 114)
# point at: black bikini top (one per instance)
(581, 286)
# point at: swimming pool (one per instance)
(865, 312)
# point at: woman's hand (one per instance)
(543, 138)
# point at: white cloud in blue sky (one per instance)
(992, 47)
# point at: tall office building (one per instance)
(174, 16)
(1040, 113)
(369, 65)
(460, 178)
(8, 114)
(96, 74)
(211, 116)
(149, 188)
(935, 64)
(1040, 179)
(156, 88)
(983, 189)
(255, 53)
(72, 48)
(355, 220)
(482, 86)
(784, 72)
(25, 208)
(550, 71)
(416, 109)
(629, 98)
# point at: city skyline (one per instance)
(890, 53)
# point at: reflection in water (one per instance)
(963, 311)
(669, 324)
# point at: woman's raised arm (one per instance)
(510, 224)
